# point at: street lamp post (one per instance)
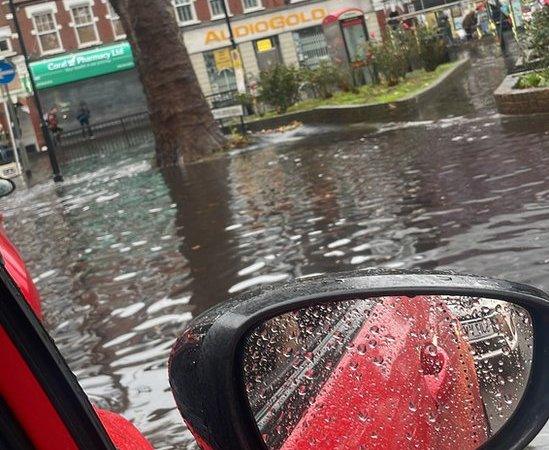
(228, 22)
(235, 48)
(57, 176)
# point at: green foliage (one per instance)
(390, 58)
(538, 35)
(245, 100)
(279, 87)
(433, 50)
(534, 79)
(324, 79)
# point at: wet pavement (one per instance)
(125, 255)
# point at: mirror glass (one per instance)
(6, 187)
(429, 372)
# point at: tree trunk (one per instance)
(183, 126)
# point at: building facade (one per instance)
(79, 53)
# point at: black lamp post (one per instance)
(234, 47)
(57, 176)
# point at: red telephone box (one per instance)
(347, 36)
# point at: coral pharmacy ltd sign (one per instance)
(250, 28)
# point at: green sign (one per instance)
(82, 65)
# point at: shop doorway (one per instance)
(267, 52)
(347, 37)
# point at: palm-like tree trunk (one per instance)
(183, 125)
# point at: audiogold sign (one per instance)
(275, 23)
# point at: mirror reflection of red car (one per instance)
(418, 389)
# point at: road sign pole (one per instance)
(57, 176)
(18, 134)
(10, 130)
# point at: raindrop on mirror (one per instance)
(430, 372)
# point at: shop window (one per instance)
(116, 23)
(45, 27)
(220, 70)
(311, 46)
(252, 5)
(84, 23)
(216, 8)
(185, 11)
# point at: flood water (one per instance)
(125, 255)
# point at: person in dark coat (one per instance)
(470, 24)
(83, 116)
(53, 124)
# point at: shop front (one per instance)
(293, 35)
(104, 78)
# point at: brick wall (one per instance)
(520, 101)
(67, 33)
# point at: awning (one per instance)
(342, 14)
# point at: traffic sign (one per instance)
(7, 72)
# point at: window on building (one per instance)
(116, 23)
(46, 31)
(311, 46)
(220, 70)
(252, 5)
(84, 24)
(217, 8)
(5, 45)
(185, 11)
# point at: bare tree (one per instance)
(182, 123)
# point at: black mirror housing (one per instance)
(205, 364)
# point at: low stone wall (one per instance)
(520, 101)
(404, 109)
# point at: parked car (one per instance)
(8, 168)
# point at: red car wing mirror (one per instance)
(382, 360)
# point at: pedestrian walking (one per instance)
(83, 117)
(53, 124)
(444, 27)
(470, 24)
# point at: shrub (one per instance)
(433, 50)
(324, 79)
(390, 58)
(279, 87)
(534, 79)
(246, 100)
(538, 35)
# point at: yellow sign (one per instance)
(264, 45)
(237, 61)
(275, 23)
(222, 58)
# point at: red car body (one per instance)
(18, 271)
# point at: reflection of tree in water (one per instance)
(203, 214)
